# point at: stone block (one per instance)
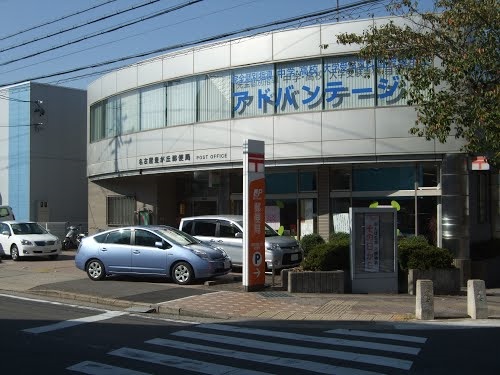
(314, 281)
(424, 307)
(477, 306)
(445, 281)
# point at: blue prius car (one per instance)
(150, 251)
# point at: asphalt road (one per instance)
(56, 338)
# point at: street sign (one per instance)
(254, 205)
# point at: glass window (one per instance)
(119, 237)
(299, 86)
(341, 222)
(307, 181)
(111, 116)
(205, 228)
(181, 101)
(281, 183)
(349, 82)
(281, 215)
(153, 106)
(121, 210)
(482, 198)
(253, 91)
(214, 96)
(145, 238)
(96, 122)
(390, 83)
(377, 179)
(428, 175)
(228, 230)
(340, 178)
(129, 114)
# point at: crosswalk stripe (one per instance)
(314, 339)
(390, 336)
(96, 368)
(75, 322)
(292, 349)
(263, 358)
(182, 363)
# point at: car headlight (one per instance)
(26, 242)
(221, 250)
(273, 246)
(58, 241)
(200, 253)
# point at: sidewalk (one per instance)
(226, 299)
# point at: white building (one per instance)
(166, 136)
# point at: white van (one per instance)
(226, 231)
(6, 213)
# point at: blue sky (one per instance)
(199, 20)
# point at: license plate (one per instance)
(294, 257)
(227, 264)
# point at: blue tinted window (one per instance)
(381, 179)
(281, 183)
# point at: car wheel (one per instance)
(14, 253)
(95, 270)
(53, 257)
(182, 273)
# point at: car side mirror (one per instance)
(6, 233)
(162, 245)
(238, 234)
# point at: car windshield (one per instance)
(28, 228)
(270, 232)
(177, 236)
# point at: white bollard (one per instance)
(477, 306)
(424, 309)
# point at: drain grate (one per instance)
(274, 294)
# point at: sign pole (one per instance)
(254, 205)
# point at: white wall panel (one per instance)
(258, 128)
(126, 78)
(94, 91)
(126, 145)
(127, 164)
(150, 72)
(349, 147)
(297, 43)
(178, 65)
(177, 138)
(350, 124)
(452, 145)
(395, 122)
(304, 127)
(408, 145)
(4, 150)
(109, 84)
(212, 135)
(149, 142)
(212, 58)
(254, 50)
(329, 36)
(298, 149)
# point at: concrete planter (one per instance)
(445, 281)
(313, 281)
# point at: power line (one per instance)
(56, 20)
(157, 14)
(134, 7)
(204, 40)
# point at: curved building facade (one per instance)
(166, 138)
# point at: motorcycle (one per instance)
(73, 238)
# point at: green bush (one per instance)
(340, 237)
(415, 252)
(430, 257)
(330, 256)
(309, 241)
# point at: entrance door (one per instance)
(204, 208)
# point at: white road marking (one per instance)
(379, 335)
(75, 322)
(315, 367)
(182, 363)
(96, 368)
(315, 339)
(51, 302)
(292, 349)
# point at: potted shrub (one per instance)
(420, 260)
